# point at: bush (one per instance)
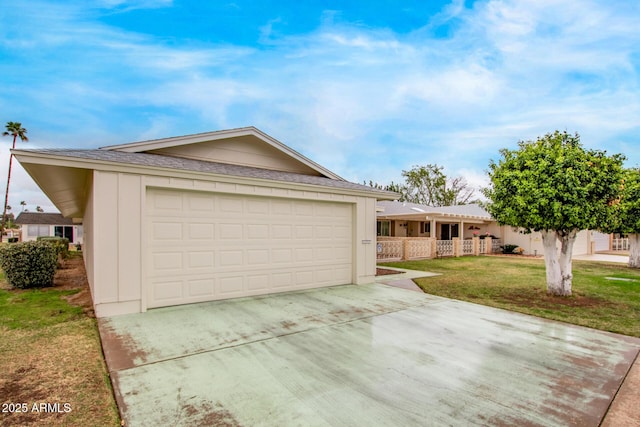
(61, 244)
(509, 249)
(29, 264)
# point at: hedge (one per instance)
(29, 264)
(61, 244)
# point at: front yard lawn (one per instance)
(51, 367)
(605, 296)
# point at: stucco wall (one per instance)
(532, 242)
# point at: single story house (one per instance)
(36, 224)
(209, 216)
(397, 221)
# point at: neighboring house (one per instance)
(208, 216)
(36, 224)
(403, 220)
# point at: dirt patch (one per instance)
(540, 299)
(386, 271)
(72, 275)
(516, 255)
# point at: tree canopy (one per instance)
(428, 185)
(628, 214)
(555, 186)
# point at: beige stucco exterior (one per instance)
(111, 199)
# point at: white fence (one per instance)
(409, 248)
(620, 244)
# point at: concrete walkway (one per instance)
(359, 355)
(624, 259)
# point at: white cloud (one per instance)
(364, 101)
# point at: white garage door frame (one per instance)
(236, 245)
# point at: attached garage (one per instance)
(205, 246)
(210, 216)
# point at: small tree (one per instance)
(628, 218)
(556, 187)
(16, 130)
(428, 185)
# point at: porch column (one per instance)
(434, 247)
(476, 245)
(457, 246)
(487, 245)
(405, 249)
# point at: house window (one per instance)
(38, 230)
(449, 231)
(62, 231)
(426, 227)
(384, 228)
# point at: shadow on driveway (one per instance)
(359, 355)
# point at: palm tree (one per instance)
(16, 130)
(39, 209)
(24, 205)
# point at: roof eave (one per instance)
(27, 158)
(156, 144)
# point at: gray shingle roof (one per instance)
(157, 160)
(42, 218)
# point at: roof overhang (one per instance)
(65, 185)
(437, 216)
(67, 180)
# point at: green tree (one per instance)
(555, 186)
(628, 218)
(16, 130)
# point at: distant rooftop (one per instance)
(42, 218)
(396, 208)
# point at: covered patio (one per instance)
(411, 231)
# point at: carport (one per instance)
(359, 355)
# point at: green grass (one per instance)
(36, 308)
(519, 284)
(50, 352)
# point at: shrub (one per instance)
(61, 244)
(29, 264)
(509, 249)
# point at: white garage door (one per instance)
(207, 246)
(602, 241)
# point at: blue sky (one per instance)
(365, 88)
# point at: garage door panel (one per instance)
(168, 291)
(223, 246)
(165, 262)
(200, 231)
(167, 231)
(201, 287)
(232, 285)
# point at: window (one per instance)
(38, 230)
(62, 231)
(426, 227)
(383, 228)
(449, 231)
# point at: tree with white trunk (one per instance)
(557, 187)
(628, 217)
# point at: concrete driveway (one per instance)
(359, 355)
